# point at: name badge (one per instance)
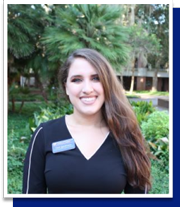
(62, 146)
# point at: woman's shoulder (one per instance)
(54, 129)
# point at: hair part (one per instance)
(119, 117)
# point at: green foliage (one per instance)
(40, 36)
(142, 109)
(155, 128)
(156, 132)
(17, 92)
(87, 25)
(160, 178)
(50, 112)
(146, 42)
(143, 44)
(18, 140)
(156, 21)
(24, 26)
(161, 151)
(16, 154)
(157, 125)
(27, 110)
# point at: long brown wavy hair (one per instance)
(119, 117)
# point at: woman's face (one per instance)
(84, 89)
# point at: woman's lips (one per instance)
(88, 100)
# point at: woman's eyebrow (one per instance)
(94, 75)
(75, 76)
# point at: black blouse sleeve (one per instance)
(34, 165)
(131, 190)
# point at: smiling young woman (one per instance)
(99, 148)
(84, 89)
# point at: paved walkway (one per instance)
(154, 100)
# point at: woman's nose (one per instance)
(87, 87)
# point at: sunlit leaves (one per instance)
(92, 26)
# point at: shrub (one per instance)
(142, 109)
(160, 178)
(18, 139)
(157, 125)
(50, 112)
(156, 132)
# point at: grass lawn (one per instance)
(147, 93)
(18, 140)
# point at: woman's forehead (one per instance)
(81, 65)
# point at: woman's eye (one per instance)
(96, 78)
(76, 80)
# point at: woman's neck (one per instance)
(95, 120)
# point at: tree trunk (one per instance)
(40, 85)
(44, 94)
(132, 81)
(142, 60)
(121, 78)
(28, 82)
(13, 105)
(22, 104)
(132, 15)
(155, 80)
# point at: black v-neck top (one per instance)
(69, 172)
